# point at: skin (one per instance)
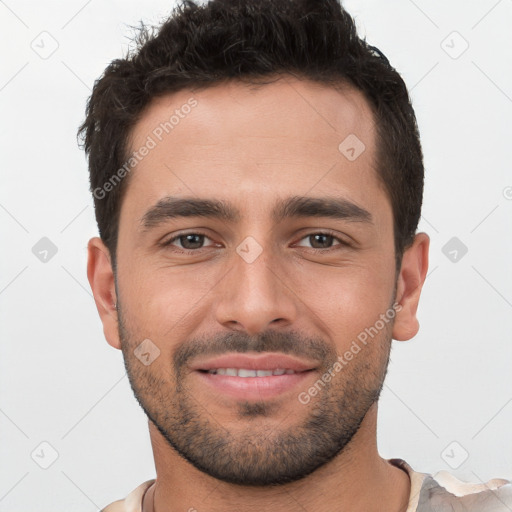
(251, 147)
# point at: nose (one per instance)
(255, 296)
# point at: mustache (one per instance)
(290, 342)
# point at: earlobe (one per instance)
(412, 275)
(101, 279)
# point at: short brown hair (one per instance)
(247, 40)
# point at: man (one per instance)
(257, 177)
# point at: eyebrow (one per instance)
(170, 207)
(332, 207)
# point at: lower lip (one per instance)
(254, 388)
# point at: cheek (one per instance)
(163, 302)
(345, 301)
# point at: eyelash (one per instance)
(169, 242)
(342, 242)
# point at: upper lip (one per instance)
(261, 362)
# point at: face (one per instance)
(255, 255)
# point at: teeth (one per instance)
(264, 373)
(244, 372)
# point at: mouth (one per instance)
(262, 377)
(246, 372)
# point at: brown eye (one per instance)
(192, 241)
(321, 241)
(187, 241)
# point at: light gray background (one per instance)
(61, 383)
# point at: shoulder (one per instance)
(460, 488)
(132, 502)
(443, 491)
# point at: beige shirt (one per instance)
(442, 492)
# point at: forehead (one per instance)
(234, 140)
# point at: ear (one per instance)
(101, 279)
(412, 275)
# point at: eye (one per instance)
(322, 240)
(187, 241)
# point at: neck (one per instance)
(356, 479)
